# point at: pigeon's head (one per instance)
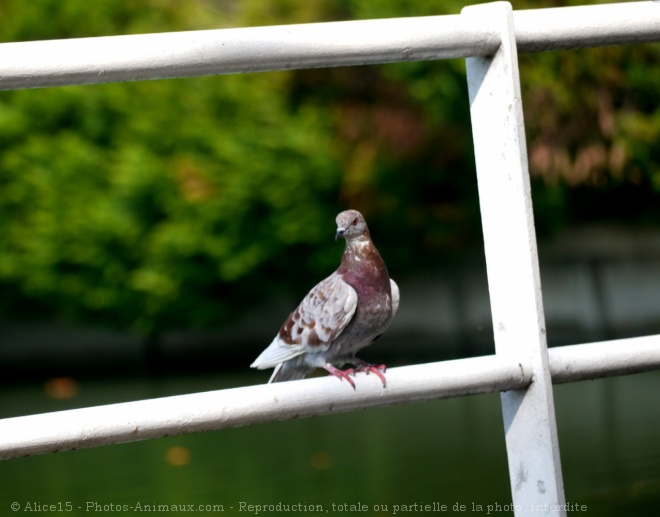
(351, 224)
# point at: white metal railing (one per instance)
(258, 49)
(514, 282)
(523, 369)
(168, 416)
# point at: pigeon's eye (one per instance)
(355, 221)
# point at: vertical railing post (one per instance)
(513, 270)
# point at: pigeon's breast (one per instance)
(374, 307)
(364, 270)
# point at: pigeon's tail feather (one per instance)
(288, 371)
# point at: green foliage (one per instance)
(592, 120)
(178, 203)
(151, 205)
(142, 201)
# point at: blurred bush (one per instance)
(179, 203)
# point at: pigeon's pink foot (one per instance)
(342, 375)
(362, 366)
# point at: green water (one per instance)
(389, 461)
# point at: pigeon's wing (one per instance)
(395, 297)
(311, 328)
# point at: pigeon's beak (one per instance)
(340, 233)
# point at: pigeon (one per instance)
(347, 311)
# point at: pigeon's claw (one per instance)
(342, 375)
(363, 366)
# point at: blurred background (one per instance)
(154, 236)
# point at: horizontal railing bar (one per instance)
(225, 51)
(39, 64)
(141, 420)
(604, 359)
(587, 26)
